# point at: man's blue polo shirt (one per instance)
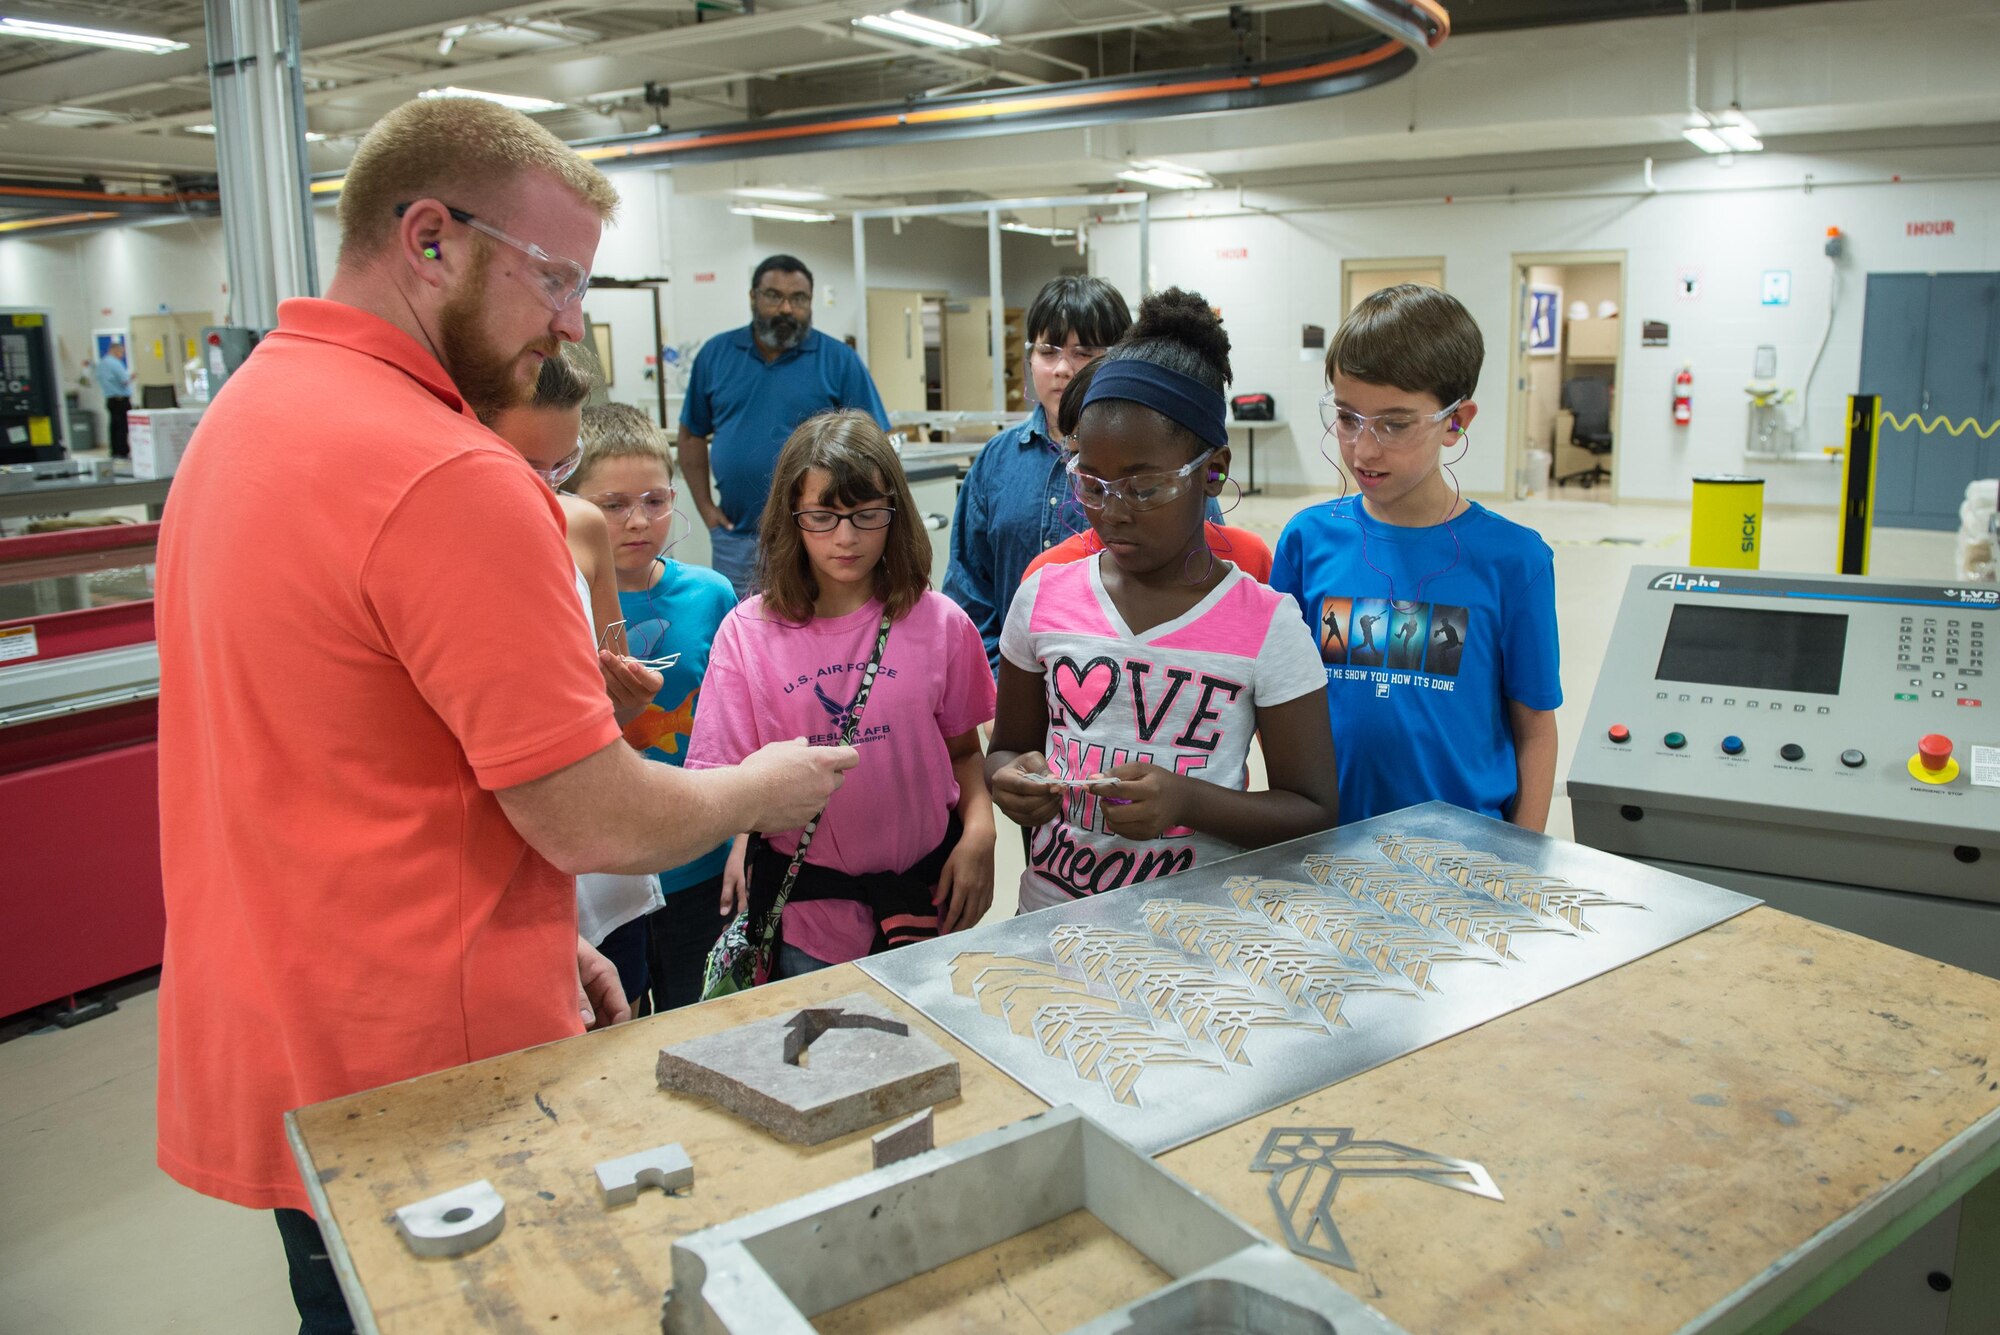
(747, 407)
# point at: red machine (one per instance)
(80, 897)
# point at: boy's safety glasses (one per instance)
(618, 506)
(1392, 430)
(1141, 491)
(560, 282)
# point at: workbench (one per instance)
(1714, 1137)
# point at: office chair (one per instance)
(1589, 398)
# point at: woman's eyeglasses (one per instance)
(826, 521)
(1140, 491)
(618, 506)
(1392, 430)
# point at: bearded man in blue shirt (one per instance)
(749, 389)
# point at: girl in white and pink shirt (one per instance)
(904, 849)
(1132, 681)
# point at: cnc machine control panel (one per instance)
(1817, 723)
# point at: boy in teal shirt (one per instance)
(671, 611)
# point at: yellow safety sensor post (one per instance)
(1857, 482)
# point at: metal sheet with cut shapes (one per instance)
(1177, 1007)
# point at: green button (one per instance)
(1675, 741)
(1905, 695)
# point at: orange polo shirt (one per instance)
(367, 622)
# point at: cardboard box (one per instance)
(159, 437)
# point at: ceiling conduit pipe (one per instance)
(1410, 30)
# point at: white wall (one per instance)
(1702, 218)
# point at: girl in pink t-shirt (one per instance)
(905, 848)
(1132, 681)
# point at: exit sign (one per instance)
(1233, 253)
(1942, 227)
(704, 278)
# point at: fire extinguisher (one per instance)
(1684, 396)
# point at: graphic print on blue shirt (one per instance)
(1427, 637)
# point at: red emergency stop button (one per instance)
(1933, 762)
(1619, 733)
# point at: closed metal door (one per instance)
(1928, 348)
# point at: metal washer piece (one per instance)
(454, 1222)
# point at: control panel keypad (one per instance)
(1932, 649)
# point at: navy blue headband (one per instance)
(1178, 398)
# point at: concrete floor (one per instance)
(95, 1239)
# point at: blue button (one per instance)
(1732, 745)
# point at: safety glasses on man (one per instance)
(560, 282)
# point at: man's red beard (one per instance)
(485, 376)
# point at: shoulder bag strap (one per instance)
(847, 735)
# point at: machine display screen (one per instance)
(1755, 649)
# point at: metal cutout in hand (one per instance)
(1308, 1163)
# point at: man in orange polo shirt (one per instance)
(383, 753)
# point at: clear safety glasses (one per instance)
(560, 282)
(1141, 491)
(1392, 430)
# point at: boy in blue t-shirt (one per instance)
(670, 608)
(1435, 617)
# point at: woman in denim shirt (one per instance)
(1015, 501)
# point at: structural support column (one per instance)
(997, 337)
(260, 149)
(861, 286)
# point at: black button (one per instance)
(1792, 751)
(1853, 759)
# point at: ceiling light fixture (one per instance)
(781, 214)
(312, 137)
(37, 30)
(927, 31)
(1167, 176)
(780, 194)
(1738, 132)
(516, 101)
(1029, 229)
(1699, 133)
